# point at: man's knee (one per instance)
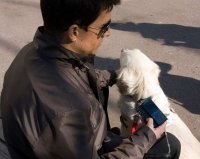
(175, 145)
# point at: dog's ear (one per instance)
(130, 82)
(123, 80)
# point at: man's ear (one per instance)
(73, 32)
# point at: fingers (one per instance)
(157, 131)
(150, 122)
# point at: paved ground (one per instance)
(167, 31)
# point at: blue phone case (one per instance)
(149, 109)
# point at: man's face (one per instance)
(89, 41)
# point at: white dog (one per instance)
(138, 79)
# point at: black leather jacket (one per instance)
(52, 106)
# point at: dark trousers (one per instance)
(161, 149)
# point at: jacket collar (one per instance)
(48, 47)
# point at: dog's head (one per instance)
(137, 75)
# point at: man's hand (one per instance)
(157, 131)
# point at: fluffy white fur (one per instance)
(138, 79)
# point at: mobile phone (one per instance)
(149, 109)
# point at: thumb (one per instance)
(150, 122)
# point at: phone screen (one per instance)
(153, 111)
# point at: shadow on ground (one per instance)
(167, 34)
(184, 90)
(9, 46)
(106, 63)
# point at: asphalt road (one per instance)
(167, 31)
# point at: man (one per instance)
(54, 101)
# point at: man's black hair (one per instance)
(59, 15)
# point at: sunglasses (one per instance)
(102, 30)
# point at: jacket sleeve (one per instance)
(106, 77)
(72, 135)
(72, 138)
(134, 147)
